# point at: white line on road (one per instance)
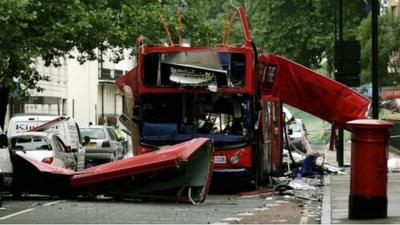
(52, 203)
(16, 214)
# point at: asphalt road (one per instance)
(37, 209)
(216, 209)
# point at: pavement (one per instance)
(335, 203)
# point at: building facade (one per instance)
(393, 7)
(85, 91)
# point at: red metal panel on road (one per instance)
(170, 156)
(43, 167)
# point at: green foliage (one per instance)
(389, 48)
(302, 30)
(51, 29)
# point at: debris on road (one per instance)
(393, 165)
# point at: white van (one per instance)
(66, 128)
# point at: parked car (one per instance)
(101, 144)
(298, 134)
(65, 127)
(5, 162)
(44, 147)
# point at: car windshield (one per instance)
(30, 143)
(93, 133)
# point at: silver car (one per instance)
(102, 144)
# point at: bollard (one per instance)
(368, 181)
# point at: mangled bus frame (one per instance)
(232, 95)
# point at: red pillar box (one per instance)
(369, 153)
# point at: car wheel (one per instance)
(16, 194)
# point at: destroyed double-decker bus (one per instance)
(192, 111)
(230, 94)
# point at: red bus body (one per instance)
(179, 89)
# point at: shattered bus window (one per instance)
(173, 118)
(194, 69)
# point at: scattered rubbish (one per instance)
(307, 198)
(303, 177)
(271, 205)
(245, 214)
(284, 190)
(258, 192)
(287, 192)
(281, 221)
(232, 219)
(310, 163)
(298, 157)
(281, 201)
(102, 197)
(299, 184)
(393, 165)
(312, 215)
(333, 169)
(262, 209)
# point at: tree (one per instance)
(302, 30)
(51, 29)
(389, 50)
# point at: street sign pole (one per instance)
(375, 80)
(339, 143)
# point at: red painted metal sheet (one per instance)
(311, 92)
(32, 176)
(167, 157)
(390, 92)
(244, 154)
(128, 79)
(245, 26)
(44, 167)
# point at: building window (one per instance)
(118, 74)
(105, 74)
(393, 10)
